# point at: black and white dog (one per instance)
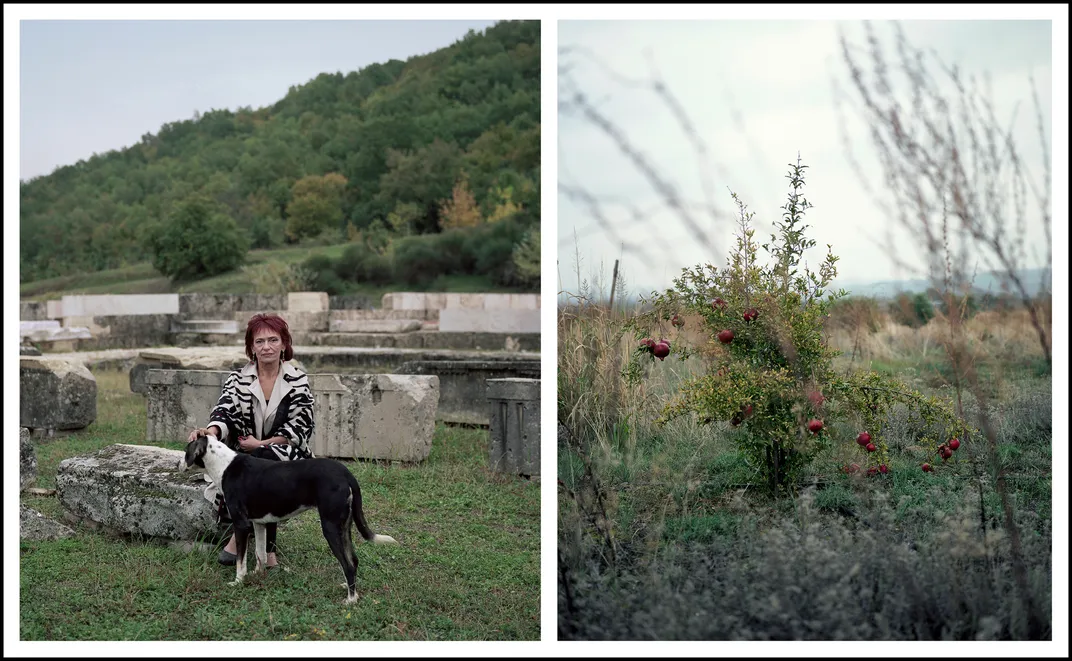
(259, 491)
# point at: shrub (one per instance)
(278, 278)
(912, 310)
(812, 577)
(266, 233)
(419, 259)
(526, 260)
(197, 240)
(359, 263)
(322, 276)
(770, 368)
(492, 248)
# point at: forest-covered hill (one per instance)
(402, 143)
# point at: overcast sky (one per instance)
(93, 86)
(778, 75)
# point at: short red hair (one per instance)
(272, 322)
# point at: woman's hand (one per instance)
(204, 431)
(249, 443)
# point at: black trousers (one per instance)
(221, 505)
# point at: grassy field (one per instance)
(667, 532)
(143, 279)
(466, 567)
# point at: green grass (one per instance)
(142, 278)
(466, 567)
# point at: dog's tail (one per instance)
(359, 516)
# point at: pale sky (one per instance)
(778, 76)
(93, 86)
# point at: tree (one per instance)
(404, 218)
(461, 209)
(425, 177)
(197, 240)
(316, 205)
(503, 205)
(527, 259)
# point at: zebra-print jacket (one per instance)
(242, 411)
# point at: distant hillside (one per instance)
(401, 135)
(984, 283)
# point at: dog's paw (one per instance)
(350, 600)
(237, 581)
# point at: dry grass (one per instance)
(660, 536)
(1005, 335)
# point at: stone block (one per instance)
(514, 412)
(375, 416)
(26, 328)
(54, 309)
(362, 314)
(211, 326)
(55, 394)
(223, 306)
(498, 301)
(463, 387)
(137, 490)
(84, 321)
(350, 302)
(122, 331)
(374, 326)
(59, 334)
(466, 301)
(456, 320)
(304, 321)
(368, 416)
(188, 359)
(524, 301)
(120, 304)
(27, 460)
(307, 301)
(35, 526)
(298, 322)
(33, 310)
(402, 301)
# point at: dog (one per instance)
(260, 491)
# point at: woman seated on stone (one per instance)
(266, 410)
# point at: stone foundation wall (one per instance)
(357, 416)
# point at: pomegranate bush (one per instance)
(769, 369)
